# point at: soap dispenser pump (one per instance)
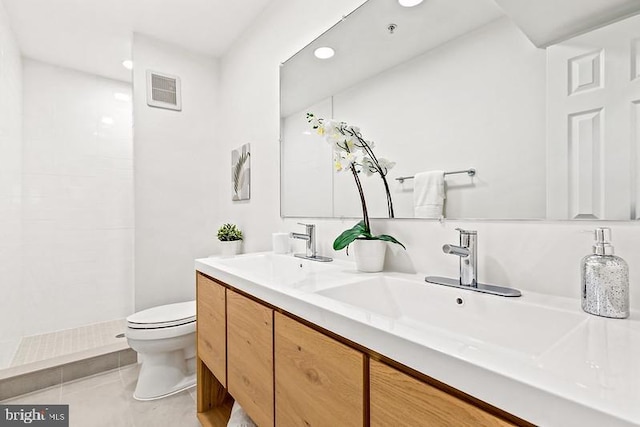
(605, 279)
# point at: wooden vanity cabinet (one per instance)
(286, 372)
(211, 326)
(319, 381)
(397, 399)
(250, 357)
(213, 402)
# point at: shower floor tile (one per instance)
(7, 351)
(36, 348)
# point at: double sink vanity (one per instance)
(298, 342)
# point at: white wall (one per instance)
(176, 163)
(249, 101)
(77, 199)
(540, 255)
(10, 184)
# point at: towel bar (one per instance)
(470, 172)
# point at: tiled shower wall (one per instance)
(77, 199)
(10, 185)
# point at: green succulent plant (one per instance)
(229, 233)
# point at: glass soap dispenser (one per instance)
(605, 279)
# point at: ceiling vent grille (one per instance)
(163, 91)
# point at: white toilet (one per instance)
(165, 339)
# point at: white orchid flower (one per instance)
(316, 123)
(341, 142)
(343, 160)
(385, 165)
(348, 159)
(368, 167)
(353, 129)
(351, 152)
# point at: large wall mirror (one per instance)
(451, 85)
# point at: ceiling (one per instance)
(95, 35)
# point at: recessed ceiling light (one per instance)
(409, 3)
(128, 64)
(107, 120)
(324, 52)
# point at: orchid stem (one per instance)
(365, 214)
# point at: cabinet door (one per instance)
(211, 326)
(319, 381)
(398, 399)
(250, 357)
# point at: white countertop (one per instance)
(583, 371)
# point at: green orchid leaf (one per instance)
(359, 231)
(348, 236)
(388, 238)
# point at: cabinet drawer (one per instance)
(211, 326)
(250, 357)
(398, 399)
(319, 381)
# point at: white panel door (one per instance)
(593, 124)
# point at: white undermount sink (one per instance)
(510, 323)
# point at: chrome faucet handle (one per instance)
(308, 226)
(310, 237)
(468, 238)
(468, 255)
(462, 231)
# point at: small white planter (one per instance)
(369, 255)
(230, 248)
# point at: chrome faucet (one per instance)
(310, 237)
(468, 253)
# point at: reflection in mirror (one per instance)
(453, 85)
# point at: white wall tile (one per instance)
(10, 182)
(77, 199)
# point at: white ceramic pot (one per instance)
(369, 255)
(231, 248)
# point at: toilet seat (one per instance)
(164, 316)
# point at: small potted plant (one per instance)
(230, 237)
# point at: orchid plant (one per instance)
(352, 153)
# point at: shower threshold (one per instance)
(45, 360)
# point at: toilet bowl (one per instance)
(165, 339)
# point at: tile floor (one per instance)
(105, 400)
(46, 346)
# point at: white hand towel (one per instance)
(428, 194)
(239, 418)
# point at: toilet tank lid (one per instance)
(165, 313)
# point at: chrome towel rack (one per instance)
(470, 172)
